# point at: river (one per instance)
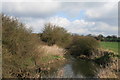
(74, 68)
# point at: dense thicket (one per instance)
(83, 45)
(53, 34)
(18, 46)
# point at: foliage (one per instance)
(82, 45)
(112, 38)
(16, 37)
(53, 34)
(18, 45)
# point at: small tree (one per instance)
(53, 34)
(100, 37)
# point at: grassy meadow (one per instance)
(110, 46)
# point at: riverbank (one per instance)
(51, 58)
(49, 54)
(46, 58)
(108, 62)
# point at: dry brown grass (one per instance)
(109, 71)
(106, 73)
(51, 50)
(48, 54)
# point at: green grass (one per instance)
(110, 46)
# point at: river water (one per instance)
(74, 68)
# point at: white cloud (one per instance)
(100, 17)
(61, 0)
(28, 0)
(82, 23)
(35, 24)
(102, 10)
(103, 28)
(46, 9)
(32, 9)
(59, 21)
(76, 26)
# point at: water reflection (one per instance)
(84, 68)
(74, 68)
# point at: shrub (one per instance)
(16, 37)
(18, 45)
(53, 34)
(82, 45)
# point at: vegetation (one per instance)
(109, 38)
(24, 51)
(110, 45)
(18, 46)
(103, 60)
(53, 34)
(49, 53)
(82, 45)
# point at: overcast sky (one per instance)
(76, 17)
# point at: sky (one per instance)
(79, 16)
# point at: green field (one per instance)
(110, 46)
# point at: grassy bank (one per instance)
(109, 60)
(110, 46)
(49, 54)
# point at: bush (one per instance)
(53, 34)
(16, 37)
(82, 45)
(18, 45)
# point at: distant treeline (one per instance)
(109, 38)
(100, 37)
